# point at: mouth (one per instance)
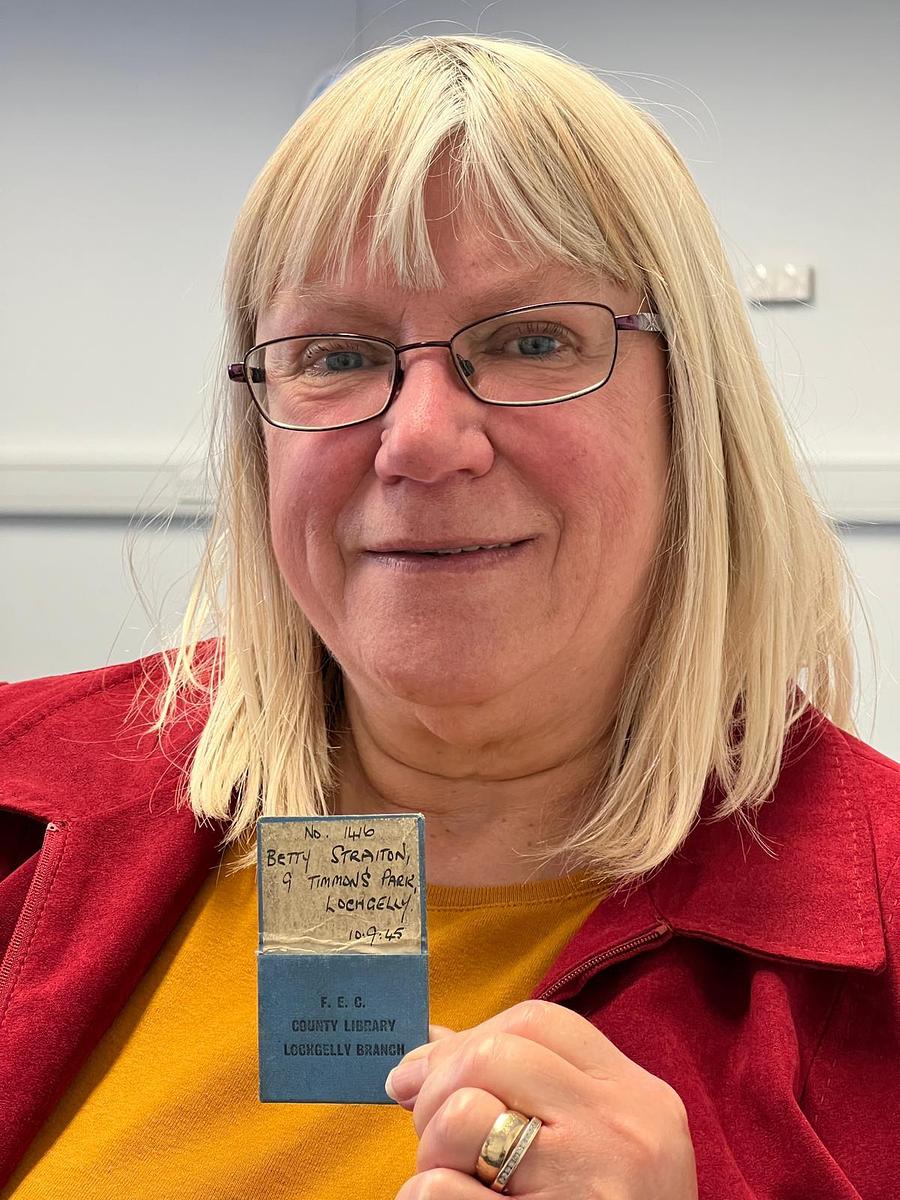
(476, 549)
(456, 558)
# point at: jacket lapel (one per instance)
(107, 891)
(813, 900)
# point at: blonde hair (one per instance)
(748, 626)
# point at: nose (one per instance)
(434, 428)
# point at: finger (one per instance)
(559, 1029)
(520, 1073)
(436, 1032)
(456, 1133)
(563, 1031)
(448, 1185)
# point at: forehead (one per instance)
(465, 298)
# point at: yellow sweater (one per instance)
(167, 1108)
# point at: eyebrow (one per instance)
(515, 292)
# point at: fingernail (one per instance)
(406, 1079)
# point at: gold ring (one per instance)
(503, 1148)
(529, 1133)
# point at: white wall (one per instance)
(131, 134)
(134, 131)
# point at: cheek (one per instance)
(290, 490)
(306, 488)
(603, 480)
(610, 480)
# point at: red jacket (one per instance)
(763, 989)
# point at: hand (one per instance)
(611, 1130)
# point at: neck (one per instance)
(490, 790)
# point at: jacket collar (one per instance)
(813, 899)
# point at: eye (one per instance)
(323, 360)
(533, 340)
(335, 357)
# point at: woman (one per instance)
(510, 534)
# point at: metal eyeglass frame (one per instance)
(634, 322)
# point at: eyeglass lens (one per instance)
(545, 354)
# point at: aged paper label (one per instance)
(332, 885)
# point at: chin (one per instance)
(444, 680)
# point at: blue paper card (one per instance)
(342, 962)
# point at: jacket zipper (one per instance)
(617, 952)
(48, 858)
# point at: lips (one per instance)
(460, 550)
(462, 546)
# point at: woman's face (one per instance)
(581, 483)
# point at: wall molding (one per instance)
(34, 488)
(859, 491)
(855, 491)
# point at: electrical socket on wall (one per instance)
(779, 283)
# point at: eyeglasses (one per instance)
(538, 354)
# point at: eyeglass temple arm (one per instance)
(236, 374)
(640, 323)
